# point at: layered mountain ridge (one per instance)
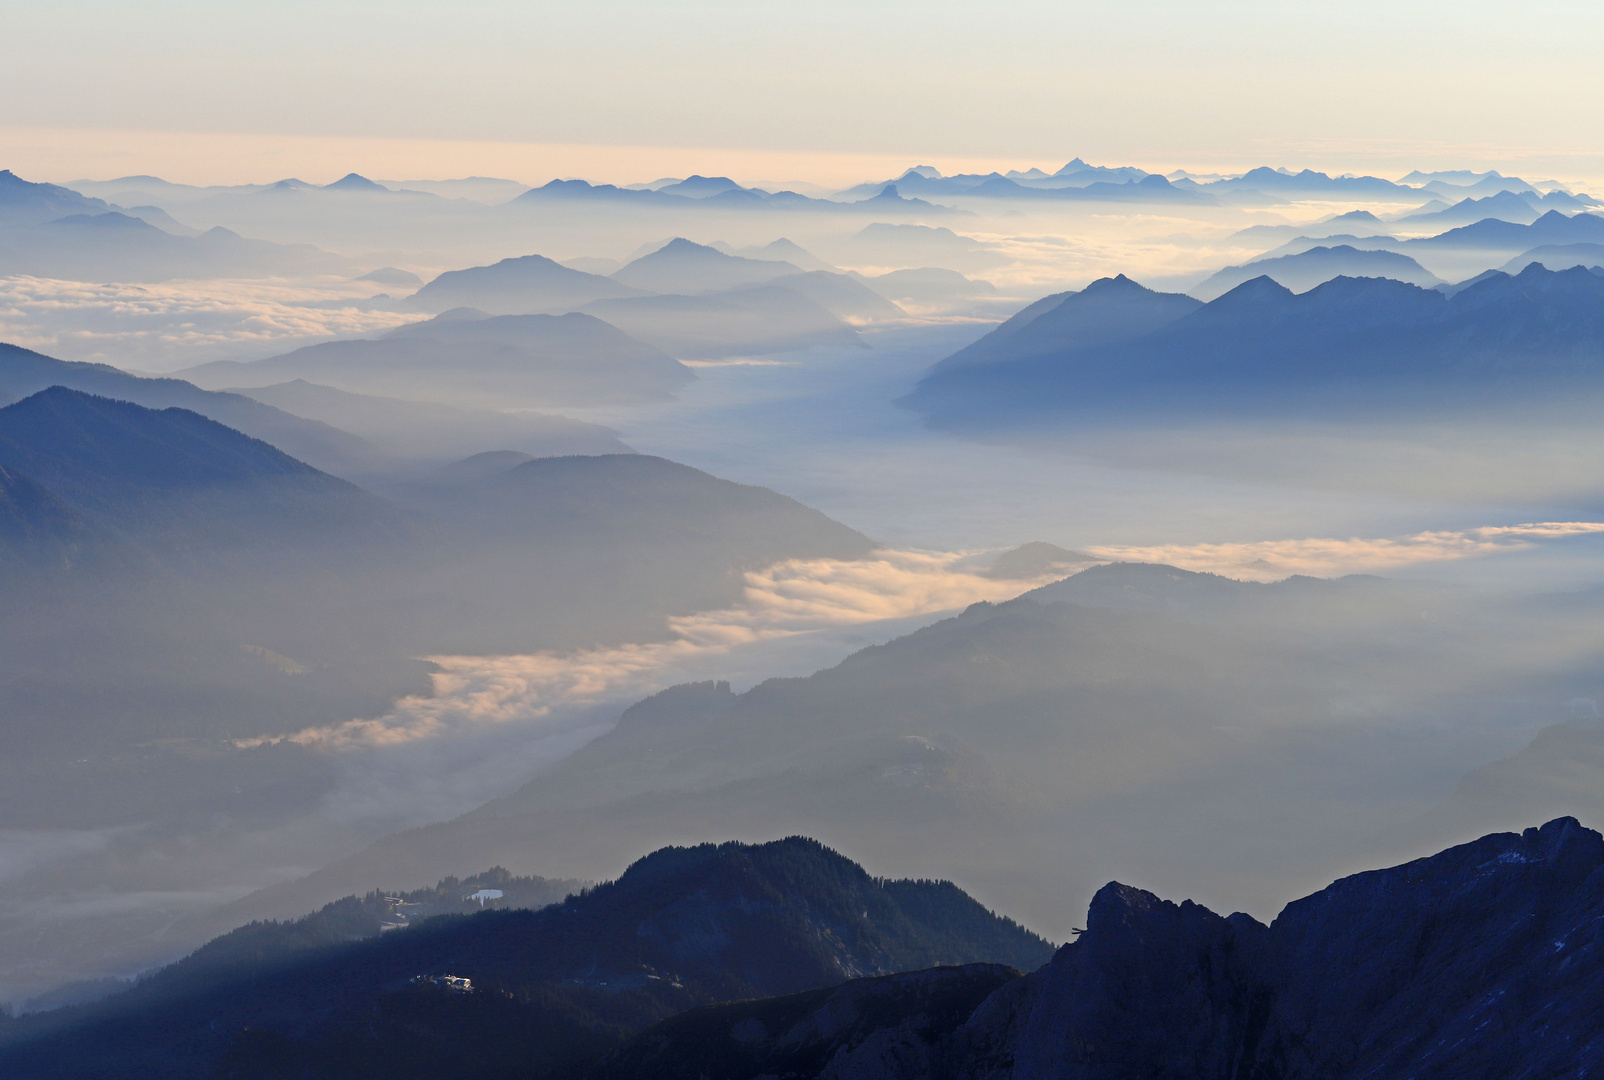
(1346, 345)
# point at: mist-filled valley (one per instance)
(768, 594)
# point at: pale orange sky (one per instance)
(827, 91)
(62, 154)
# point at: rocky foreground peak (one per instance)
(1484, 960)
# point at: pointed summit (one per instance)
(684, 266)
(354, 182)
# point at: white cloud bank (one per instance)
(1271, 560)
(553, 696)
(791, 598)
(171, 325)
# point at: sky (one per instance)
(823, 90)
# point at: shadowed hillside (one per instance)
(551, 988)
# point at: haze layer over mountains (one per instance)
(369, 547)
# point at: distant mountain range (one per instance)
(542, 992)
(1311, 183)
(1080, 182)
(1349, 344)
(24, 203)
(1552, 227)
(128, 190)
(1361, 227)
(51, 231)
(925, 180)
(1520, 207)
(1557, 257)
(726, 195)
(1459, 184)
(691, 300)
(1086, 184)
(118, 247)
(1354, 222)
(1470, 249)
(1317, 265)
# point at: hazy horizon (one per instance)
(462, 449)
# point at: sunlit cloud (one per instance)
(162, 327)
(790, 598)
(1271, 560)
(546, 695)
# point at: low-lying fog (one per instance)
(1338, 754)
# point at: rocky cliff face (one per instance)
(1485, 960)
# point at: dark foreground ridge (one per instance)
(785, 960)
(1486, 960)
(520, 992)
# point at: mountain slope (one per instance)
(1504, 206)
(683, 267)
(41, 536)
(1349, 345)
(118, 247)
(1491, 234)
(842, 1031)
(617, 497)
(1305, 270)
(24, 372)
(606, 547)
(25, 203)
(178, 477)
(681, 927)
(531, 284)
(1484, 960)
(1108, 310)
